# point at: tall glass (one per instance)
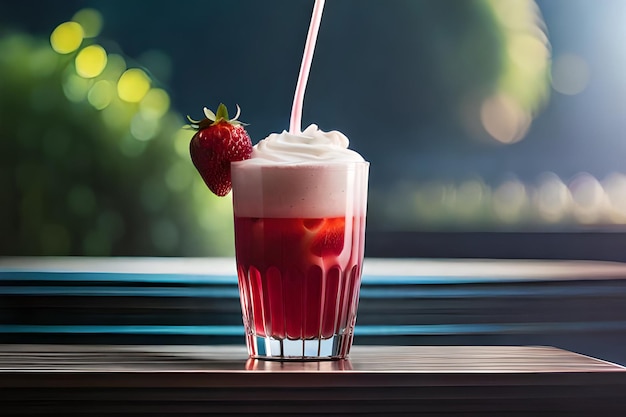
(299, 242)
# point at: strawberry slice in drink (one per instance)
(329, 239)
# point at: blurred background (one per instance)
(480, 116)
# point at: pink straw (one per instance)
(309, 48)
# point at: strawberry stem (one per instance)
(215, 118)
(222, 113)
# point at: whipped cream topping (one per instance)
(312, 145)
(311, 174)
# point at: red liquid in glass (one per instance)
(299, 278)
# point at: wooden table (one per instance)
(402, 380)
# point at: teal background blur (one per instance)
(480, 115)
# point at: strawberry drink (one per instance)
(299, 204)
(299, 201)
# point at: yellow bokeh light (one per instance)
(530, 53)
(515, 14)
(90, 20)
(67, 37)
(90, 61)
(155, 104)
(101, 94)
(133, 85)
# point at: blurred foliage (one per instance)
(85, 172)
(83, 176)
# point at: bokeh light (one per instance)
(506, 110)
(588, 198)
(116, 65)
(615, 187)
(133, 85)
(76, 88)
(583, 200)
(67, 37)
(132, 147)
(101, 94)
(218, 221)
(136, 128)
(90, 20)
(509, 200)
(90, 61)
(570, 74)
(181, 141)
(514, 14)
(552, 198)
(142, 128)
(470, 198)
(116, 116)
(178, 177)
(529, 51)
(431, 199)
(155, 103)
(504, 119)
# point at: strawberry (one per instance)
(218, 142)
(329, 239)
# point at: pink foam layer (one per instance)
(299, 190)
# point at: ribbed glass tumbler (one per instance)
(299, 241)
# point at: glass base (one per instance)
(336, 347)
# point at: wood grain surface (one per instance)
(376, 380)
